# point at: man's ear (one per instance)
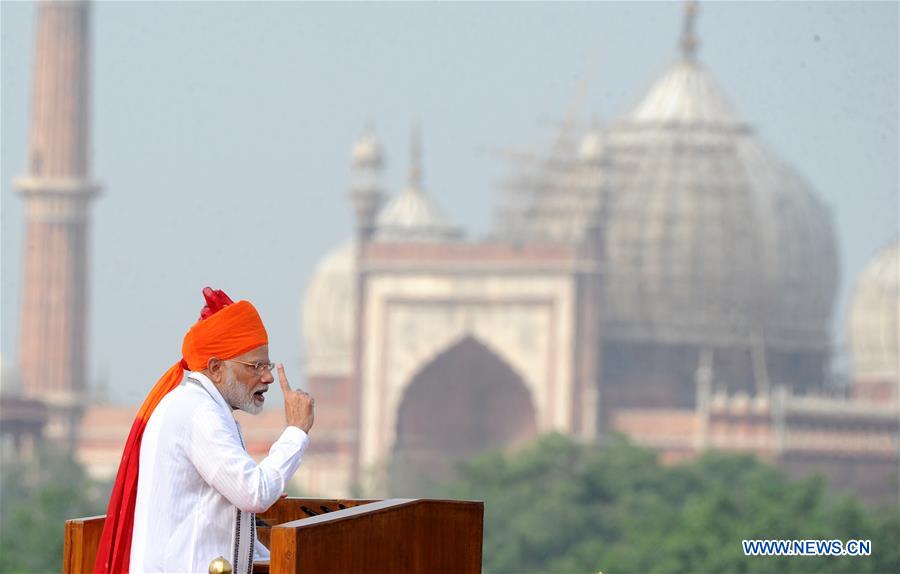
(216, 369)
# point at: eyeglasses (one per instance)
(259, 366)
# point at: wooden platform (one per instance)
(308, 535)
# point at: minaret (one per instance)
(57, 192)
(366, 191)
(366, 196)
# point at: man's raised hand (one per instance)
(299, 406)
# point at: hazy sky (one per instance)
(222, 133)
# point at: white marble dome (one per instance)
(874, 320)
(328, 313)
(710, 239)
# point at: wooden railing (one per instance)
(81, 541)
(329, 535)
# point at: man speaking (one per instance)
(187, 491)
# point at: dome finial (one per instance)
(688, 38)
(415, 156)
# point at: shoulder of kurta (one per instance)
(189, 407)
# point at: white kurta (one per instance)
(198, 489)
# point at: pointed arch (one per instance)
(465, 400)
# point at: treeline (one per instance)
(560, 506)
(36, 500)
(555, 506)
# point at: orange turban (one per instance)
(225, 332)
(229, 333)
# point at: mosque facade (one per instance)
(666, 276)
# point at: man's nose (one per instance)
(268, 378)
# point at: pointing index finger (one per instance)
(282, 379)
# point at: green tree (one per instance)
(37, 498)
(559, 506)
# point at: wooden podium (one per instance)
(307, 535)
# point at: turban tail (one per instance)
(230, 332)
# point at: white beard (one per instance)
(237, 395)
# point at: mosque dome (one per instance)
(413, 216)
(874, 320)
(709, 237)
(328, 312)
